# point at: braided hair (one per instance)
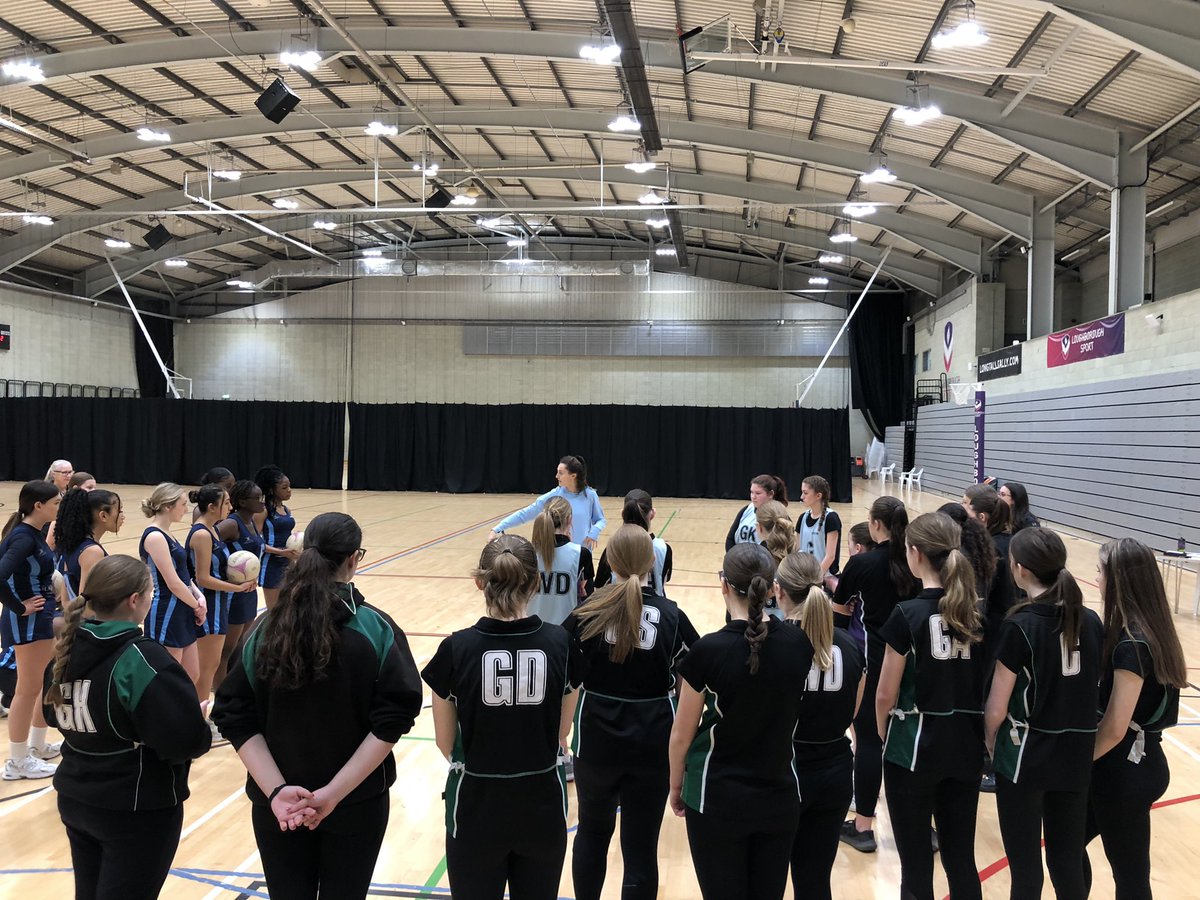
(748, 569)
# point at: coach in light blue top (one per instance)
(587, 519)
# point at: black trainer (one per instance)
(862, 841)
(987, 784)
(934, 840)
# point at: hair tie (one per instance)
(507, 550)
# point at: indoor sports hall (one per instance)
(416, 255)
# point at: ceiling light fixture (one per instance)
(308, 60)
(469, 197)
(830, 259)
(658, 223)
(378, 129)
(517, 260)
(372, 252)
(322, 225)
(494, 222)
(425, 167)
(649, 198)
(117, 244)
(23, 70)
(517, 242)
(877, 170)
(238, 283)
(919, 109)
(624, 123)
(817, 279)
(967, 33)
(664, 251)
(601, 54)
(284, 203)
(227, 174)
(641, 161)
(175, 263)
(859, 206)
(35, 219)
(842, 234)
(151, 136)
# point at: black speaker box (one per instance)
(439, 199)
(158, 236)
(277, 101)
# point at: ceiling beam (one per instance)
(1086, 149)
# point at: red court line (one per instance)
(456, 533)
(1002, 863)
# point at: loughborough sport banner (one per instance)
(1104, 337)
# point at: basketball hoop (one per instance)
(963, 393)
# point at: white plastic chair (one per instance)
(887, 473)
(911, 478)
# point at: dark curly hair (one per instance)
(268, 478)
(75, 514)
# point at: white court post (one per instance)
(166, 373)
(812, 379)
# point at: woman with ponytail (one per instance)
(875, 581)
(820, 531)
(276, 523)
(1041, 718)
(587, 519)
(208, 557)
(762, 489)
(639, 510)
(240, 532)
(776, 531)
(732, 757)
(1144, 670)
(929, 709)
(27, 625)
(128, 714)
(832, 694)
(503, 699)
(321, 691)
(219, 476)
(564, 568)
(178, 606)
(631, 637)
(983, 503)
(83, 519)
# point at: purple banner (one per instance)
(980, 410)
(1094, 340)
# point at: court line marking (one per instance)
(187, 832)
(669, 521)
(236, 873)
(25, 800)
(400, 554)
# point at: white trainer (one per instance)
(50, 751)
(29, 767)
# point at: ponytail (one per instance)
(208, 495)
(799, 576)
(75, 514)
(984, 499)
(616, 609)
(556, 514)
(779, 534)
(891, 513)
(939, 538)
(637, 509)
(299, 635)
(509, 574)
(773, 485)
(110, 583)
(748, 570)
(32, 493)
(1044, 555)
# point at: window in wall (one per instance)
(925, 361)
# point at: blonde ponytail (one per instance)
(779, 534)
(799, 576)
(959, 606)
(615, 610)
(555, 515)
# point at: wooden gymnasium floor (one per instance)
(419, 549)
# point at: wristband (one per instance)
(275, 793)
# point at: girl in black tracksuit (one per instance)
(878, 579)
(733, 768)
(631, 638)
(1143, 672)
(832, 694)
(128, 715)
(321, 691)
(930, 702)
(1041, 718)
(503, 698)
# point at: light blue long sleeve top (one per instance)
(587, 518)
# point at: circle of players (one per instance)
(956, 648)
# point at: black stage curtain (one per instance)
(877, 361)
(148, 440)
(150, 378)
(674, 451)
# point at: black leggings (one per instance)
(509, 830)
(1024, 812)
(824, 798)
(642, 795)
(868, 746)
(738, 861)
(915, 798)
(120, 855)
(335, 859)
(1119, 811)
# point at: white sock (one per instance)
(37, 737)
(18, 750)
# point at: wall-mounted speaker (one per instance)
(277, 101)
(158, 236)
(439, 199)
